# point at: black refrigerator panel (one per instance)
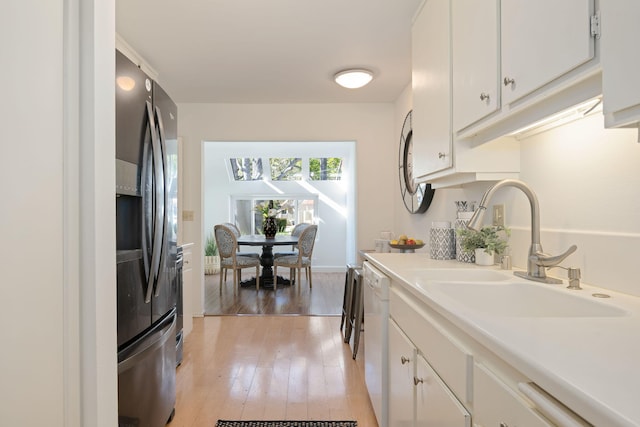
(146, 248)
(134, 313)
(147, 377)
(165, 119)
(133, 89)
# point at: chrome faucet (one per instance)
(538, 261)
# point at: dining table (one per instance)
(266, 257)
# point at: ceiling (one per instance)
(271, 51)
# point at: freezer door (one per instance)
(147, 378)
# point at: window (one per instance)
(249, 212)
(325, 169)
(286, 169)
(246, 168)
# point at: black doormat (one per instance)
(224, 423)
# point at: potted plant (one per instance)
(211, 258)
(485, 243)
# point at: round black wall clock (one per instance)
(416, 197)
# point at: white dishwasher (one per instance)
(376, 340)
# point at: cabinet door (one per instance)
(402, 355)
(496, 404)
(431, 84)
(436, 405)
(542, 40)
(476, 90)
(620, 61)
(188, 289)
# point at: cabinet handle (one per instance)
(441, 155)
(509, 81)
(484, 96)
(404, 360)
(417, 381)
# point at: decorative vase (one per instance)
(270, 227)
(443, 242)
(483, 258)
(461, 254)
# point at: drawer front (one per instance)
(496, 404)
(447, 357)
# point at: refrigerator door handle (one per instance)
(158, 211)
(165, 195)
(147, 180)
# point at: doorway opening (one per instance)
(306, 181)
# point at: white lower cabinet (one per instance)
(439, 376)
(402, 355)
(435, 403)
(497, 405)
(188, 288)
(417, 395)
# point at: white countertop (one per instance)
(591, 364)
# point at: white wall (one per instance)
(335, 215)
(58, 217)
(371, 126)
(31, 377)
(586, 179)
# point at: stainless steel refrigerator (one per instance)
(146, 230)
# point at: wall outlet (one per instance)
(498, 215)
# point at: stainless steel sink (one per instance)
(521, 299)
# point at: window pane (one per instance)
(286, 169)
(246, 168)
(249, 214)
(325, 168)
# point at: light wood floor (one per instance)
(269, 367)
(325, 298)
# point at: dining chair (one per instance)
(297, 229)
(236, 231)
(299, 261)
(229, 257)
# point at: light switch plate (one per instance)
(187, 215)
(498, 215)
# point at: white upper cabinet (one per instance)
(542, 55)
(437, 159)
(620, 62)
(542, 40)
(431, 84)
(475, 44)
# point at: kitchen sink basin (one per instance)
(459, 275)
(518, 299)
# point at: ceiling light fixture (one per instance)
(353, 78)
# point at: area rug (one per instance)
(224, 423)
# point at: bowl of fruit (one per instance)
(406, 244)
